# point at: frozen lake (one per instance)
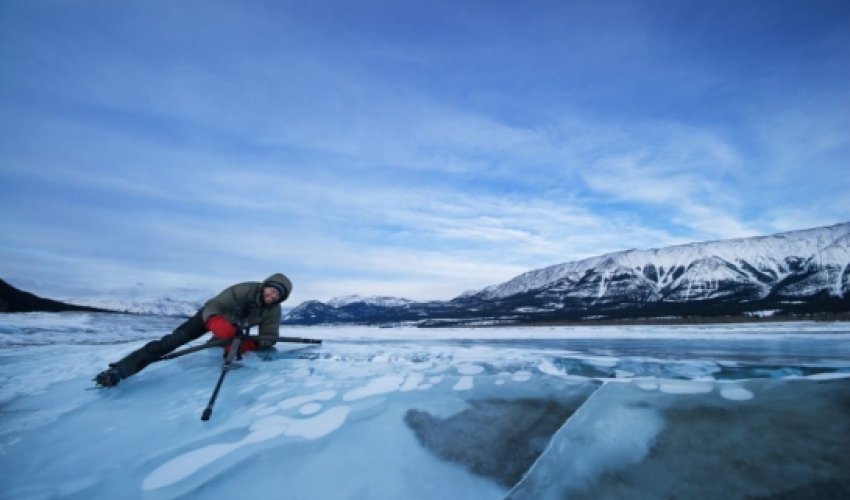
(708, 411)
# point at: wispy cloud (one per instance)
(361, 155)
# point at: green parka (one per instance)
(243, 304)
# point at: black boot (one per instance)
(108, 378)
(266, 352)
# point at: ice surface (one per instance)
(412, 413)
(184, 465)
(787, 439)
(735, 392)
(377, 386)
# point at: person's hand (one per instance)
(247, 345)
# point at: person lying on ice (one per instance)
(248, 304)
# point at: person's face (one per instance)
(270, 295)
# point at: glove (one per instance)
(247, 345)
(223, 329)
(220, 327)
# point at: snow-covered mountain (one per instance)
(702, 270)
(350, 309)
(163, 306)
(381, 301)
(795, 272)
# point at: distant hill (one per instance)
(794, 274)
(13, 300)
(162, 306)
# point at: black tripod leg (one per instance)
(234, 351)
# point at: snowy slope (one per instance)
(697, 269)
(163, 306)
(799, 272)
(380, 301)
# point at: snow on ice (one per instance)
(578, 412)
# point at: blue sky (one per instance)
(406, 148)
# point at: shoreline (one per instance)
(691, 320)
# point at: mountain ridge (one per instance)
(161, 306)
(14, 300)
(795, 272)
